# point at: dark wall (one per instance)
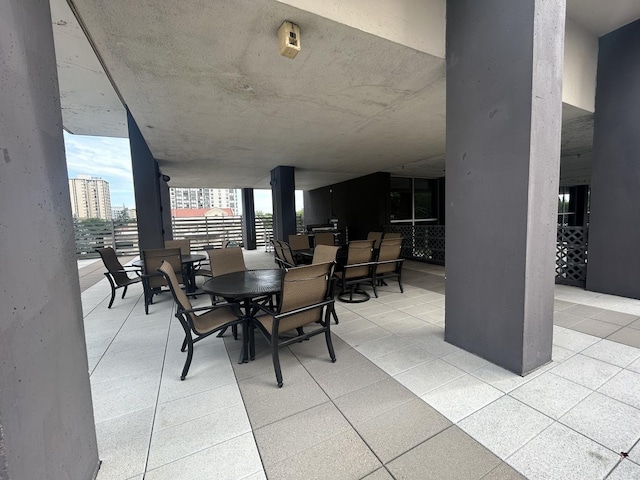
(361, 204)
(614, 227)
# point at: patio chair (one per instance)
(299, 242)
(199, 322)
(183, 244)
(376, 237)
(389, 264)
(323, 254)
(223, 261)
(117, 274)
(305, 300)
(357, 271)
(283, 254)
(389, 235)
(324, 238)
(153, 281)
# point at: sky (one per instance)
(110, 159)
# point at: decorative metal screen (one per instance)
(421, 242)
(571, 256)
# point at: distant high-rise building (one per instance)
(204, 198)
(90, 197)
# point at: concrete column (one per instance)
(46, 415)
(614, 225)
(504, 113)
(146, 185)
(283, 186)
(248, 219)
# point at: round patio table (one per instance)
(187, 262)
(244, 287)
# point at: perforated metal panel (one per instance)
(421, 242)
(571, 256)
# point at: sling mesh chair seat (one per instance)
(153, 281)
(324, 238)
(117, 275)
(389, 264)
(197, 322)
(376, 237)
(357, 271)
(299, 242)
(323, 254)
(305, 300)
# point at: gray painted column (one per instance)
(614, 225)
(165, 207)
(504, 113)
(46, 413)
(283, 193)
(248, 219)
(146, 185)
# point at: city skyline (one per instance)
(110, 159)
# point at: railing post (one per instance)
(113, 236)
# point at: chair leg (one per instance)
(234, 330)
(400, 282)
(124, 291)
(113, 296)
(184, 344)
(187, 363)
(276, 358)
(221, 332)
(373, 284)
(327, 336)
(335, 316)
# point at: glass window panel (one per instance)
(400, 198)
(424, 196)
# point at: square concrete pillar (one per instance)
(47, 429)
(504, 114)
(283, 194)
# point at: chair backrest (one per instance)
(184, 245)
(324, 238)
(360, 251)
(324, 253)
(389, 250)
(226, 260)
(113, 266)
(179, 296)
(226, 243)
(376, 237)
(389, 235)
(287, 254)
(152, 260)
(302, 287)
(299, 242)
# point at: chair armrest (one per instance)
(397, 260)
(354, 265)
(303, 309)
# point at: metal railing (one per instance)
(426, 243)
(123, 236)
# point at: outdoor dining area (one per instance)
(280, 302)
(399, 402)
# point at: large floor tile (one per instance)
(462, 397)
(586, 371)
(624, 387)
(365, 335)
(613, 353)
(502, 379)
(399, 361)
(503, 472)
(278, 403)
(628, 336)
(571, 340)
(429, 376)
(617, 318)
(297, 433)
(398, 430)
(465, 361)
(382, 346)
(584, 311)
(358, 408)
(505, 425)
(609, 422)
(625, 470)
(178, 441)
(550, 394)
(195, 406)
(123, 443)
(450, 455)
(560, 453)
(346, 380)
(234, 459)
(597, 328)
(380, 474)
(342, 457)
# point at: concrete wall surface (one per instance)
(614, 228)
(46, 414)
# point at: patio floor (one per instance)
(398, 403)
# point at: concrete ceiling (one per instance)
(220, 108)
